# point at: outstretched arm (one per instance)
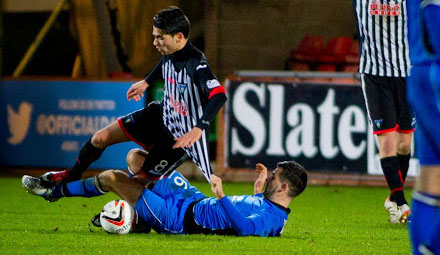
(136, 91)
(259, 183)
(240, 223)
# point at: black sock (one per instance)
(390, 167)
(86, 157)
(404, 164)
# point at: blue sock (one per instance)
(424, 226)
(83, 188)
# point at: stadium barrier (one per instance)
(316, 118)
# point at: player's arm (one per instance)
(243, 225)
(136, 90)
(213, 90)
(216, 95)
(431, 19)
(261, 180)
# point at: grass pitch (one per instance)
(324, 220)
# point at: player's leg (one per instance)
(90, 187)
(404, 152)
(407, 125)
(135, 160)
(391, 169)
(137, 126)
(390, 165)
(425, 219)
(379, 99)
(90, 152)
(425, 223)
(121, 184)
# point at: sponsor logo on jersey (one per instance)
(201, 66)
(212, 84)
(385, 9)
(179, 107)
(19, 122)
(378, 123)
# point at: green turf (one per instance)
(324, 220)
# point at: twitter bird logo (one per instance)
(19, 122)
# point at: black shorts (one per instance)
(387, 107)
(145, 127)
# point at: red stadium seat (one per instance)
(304, 57)
(308, 50)
(299, 66)
(326, 68)
(351, 68)
(336, 50)
(353, 55)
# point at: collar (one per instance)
(286, 210)
(183, 53)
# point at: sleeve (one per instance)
(212, 90)
(243, 225)
(156, 74)
(431, 19)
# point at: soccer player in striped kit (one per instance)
(176, 127)
(424, 96)
(384, 66)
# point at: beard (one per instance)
(269, 191)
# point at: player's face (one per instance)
(166, 44)
(273, 183)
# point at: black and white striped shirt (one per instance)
(382, 28)
(191, 98)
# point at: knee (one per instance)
(107, 179)
(100, 138)
(387, 148)
(135, 160)
(404, 147)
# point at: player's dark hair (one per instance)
(295, 175)
(172, 21)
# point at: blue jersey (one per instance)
(164, 206)
(247, 215)
(423, 37)
(423, 87)
(165, 209)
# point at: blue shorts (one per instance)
(424, 96)
(164, 207)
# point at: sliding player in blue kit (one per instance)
(173, 206)
(424, 96)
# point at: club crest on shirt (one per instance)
(129, 119)
(378, 123)
(182, 87)
(212, 84)
(413, 122)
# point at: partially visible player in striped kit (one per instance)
(169, 130)
(384, 66)
(424, 96)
